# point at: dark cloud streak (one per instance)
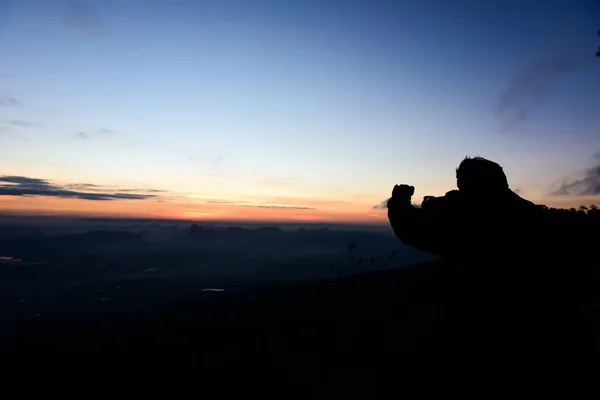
(24, 186)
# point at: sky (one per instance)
(291, 110)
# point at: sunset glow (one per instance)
(303, 112)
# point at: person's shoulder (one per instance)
(522, 203)
(452, 198)
(441, 202)
(452, 194)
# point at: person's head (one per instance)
(478, 176)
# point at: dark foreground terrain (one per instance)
(355, 337)
(136, 310)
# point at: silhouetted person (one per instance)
(500, 289)
(465, 223)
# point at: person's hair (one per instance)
(479, 175)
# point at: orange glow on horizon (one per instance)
(184, 209)
(194, 209)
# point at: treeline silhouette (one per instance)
(592, 211)
(574, 224)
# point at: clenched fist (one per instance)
(401, 195)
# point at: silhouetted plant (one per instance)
(392, 254)
(361, 261)
(349, 253)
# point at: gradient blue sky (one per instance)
(309, 104)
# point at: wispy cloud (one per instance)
(24, 124)
(85, 186)
(381, 206)
(253, 204)
(25, 186)
(142, 191)
(533, 83)
(8, 102)
(105, 130)
(85, 135)
(276, 206)
(88, 187)
(82, 17)
(588, 183)
(219, 202)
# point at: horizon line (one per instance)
(192, 221)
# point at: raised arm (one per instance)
(411, 225)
